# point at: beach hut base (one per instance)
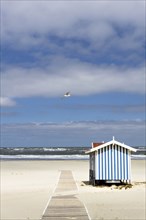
(110, 182)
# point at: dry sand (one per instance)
(27, 186)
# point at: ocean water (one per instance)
(44, 153)
(140, 154)
(55, 153)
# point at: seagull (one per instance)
(67, 94)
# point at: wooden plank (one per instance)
(66, 218)
(63, 207)
(65, 213)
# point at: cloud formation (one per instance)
(5, 101)
(84, 47)
(79, 133)
(83, 20)
(79, 78)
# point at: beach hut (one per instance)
(110, 162)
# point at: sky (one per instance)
(93, 49)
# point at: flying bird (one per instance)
(67, 94)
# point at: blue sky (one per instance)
(95, 50)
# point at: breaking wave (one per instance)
(55, 153)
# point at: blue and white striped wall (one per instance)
(110, 161)
(113, 162)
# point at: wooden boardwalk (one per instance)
(63, 204)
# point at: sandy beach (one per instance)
(27, 186)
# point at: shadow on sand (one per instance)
(119, 185)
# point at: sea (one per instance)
(55, 153)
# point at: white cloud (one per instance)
(78, 77)
(73, 133)
(7, 102)
(93, 21)
(107, 25)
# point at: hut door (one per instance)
(92, 166)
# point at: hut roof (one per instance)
(112, 142)
(96, 144)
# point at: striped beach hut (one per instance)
(110, 162)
